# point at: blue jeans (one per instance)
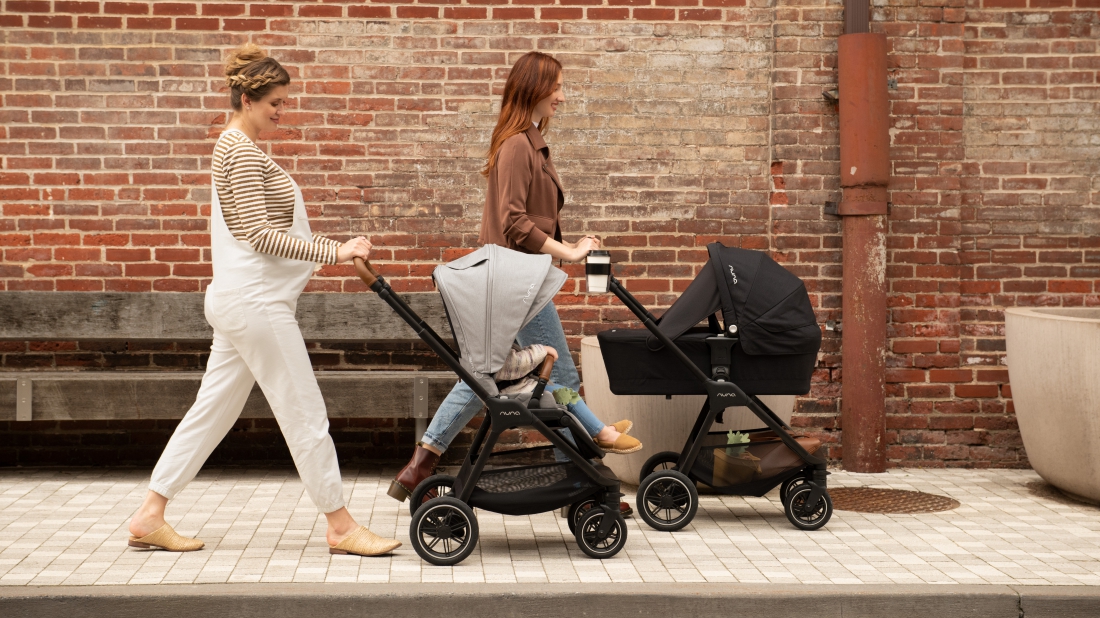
(462, 404)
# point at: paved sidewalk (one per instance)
(68, 528)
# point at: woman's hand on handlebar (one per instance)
(551, 352)
(358, 247)
(568, 251)
(583, 246)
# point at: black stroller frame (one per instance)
(803, 490)
(444, 528)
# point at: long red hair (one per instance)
(533, 78)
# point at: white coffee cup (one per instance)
(597, 267)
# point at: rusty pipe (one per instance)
(864, 174)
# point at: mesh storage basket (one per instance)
(533, 489)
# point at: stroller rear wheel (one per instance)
(577, 511)
(665, 460)
(806, 516)
(667, 500)
(597, 545)
(431, 487)
(444, 531)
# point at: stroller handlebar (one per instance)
(545, 368)
(544, 376)
(366, 271)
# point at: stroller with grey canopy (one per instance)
(488, 296)
(767, 345)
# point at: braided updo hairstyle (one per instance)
(249, 70)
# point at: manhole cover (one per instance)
(871, 500)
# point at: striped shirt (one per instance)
(257, 201)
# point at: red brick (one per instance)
(61, 6)
(950, 375)
(417, 12)
(197, 23)
(513, 13)
(57, 22)
(608, 13)
(174, 8)
(699, 15)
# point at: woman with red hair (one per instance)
(522, 212)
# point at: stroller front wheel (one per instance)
(444, 531)
(806, 516)
(594, 544)
(667, 500)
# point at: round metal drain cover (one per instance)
(871, 500)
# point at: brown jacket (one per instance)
(525, 197)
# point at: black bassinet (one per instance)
(762, 304)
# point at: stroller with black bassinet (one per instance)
(767, 345)
(489, 295)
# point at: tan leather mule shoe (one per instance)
(363, 542)
(165, 538)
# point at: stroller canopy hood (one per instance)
(768, 304)
(490, 295)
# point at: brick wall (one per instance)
(687, 121)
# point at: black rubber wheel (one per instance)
(667, 500)
(431, 487)
(806, 516)
(785, 488)
(444, 531)
(589, 540)
(577, 510)
(665, 460)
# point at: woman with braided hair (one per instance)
(263, 254)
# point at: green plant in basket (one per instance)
(735, 443)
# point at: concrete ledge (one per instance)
(1059, 601)
(178, 316)
(102, 395)
(522, 600)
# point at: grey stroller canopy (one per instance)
(489, 296)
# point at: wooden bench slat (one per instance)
(101, 395)
(178, 316)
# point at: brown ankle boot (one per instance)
(420, 467)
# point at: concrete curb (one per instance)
(557, 600)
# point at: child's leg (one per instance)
(582, 412)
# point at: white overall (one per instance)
(251, 303)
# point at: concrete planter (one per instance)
(1054, 369)
(661, 424)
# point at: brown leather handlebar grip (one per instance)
(365, 270)
(546, 367)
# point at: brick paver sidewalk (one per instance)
(69, 528)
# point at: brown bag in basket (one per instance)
(733, 466)
(779, 458)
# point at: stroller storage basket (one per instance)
(637, 365)
(533, 489)
(745, 469)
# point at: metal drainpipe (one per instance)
(864, 173)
